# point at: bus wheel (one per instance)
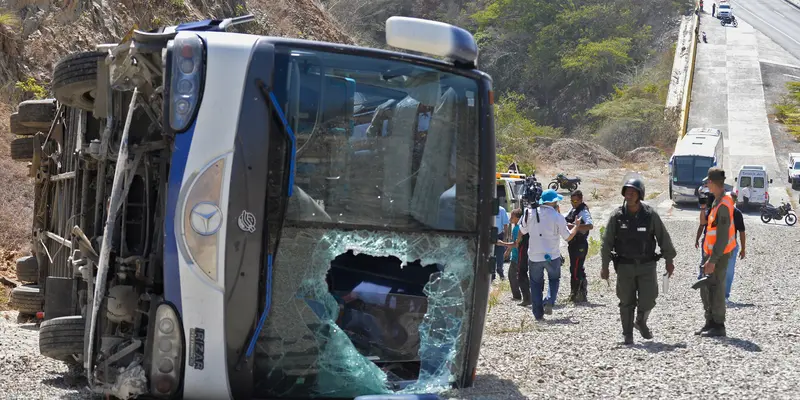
(27, 299)
(75, 79)
(61, 338)
(27, 269)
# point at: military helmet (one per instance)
(633, 180)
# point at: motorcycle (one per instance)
(561, 180)
(770, 212)
(730, 20)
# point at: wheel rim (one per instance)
(791, 219)
(765, 218)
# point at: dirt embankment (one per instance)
(573, 152)
(35, 34)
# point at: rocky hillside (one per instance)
(45, 30)
(35, 34)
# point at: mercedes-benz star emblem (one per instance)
(206, 218)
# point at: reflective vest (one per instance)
(711, 230)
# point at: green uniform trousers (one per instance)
(637, 285)
(713, 294)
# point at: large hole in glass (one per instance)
(361, 312)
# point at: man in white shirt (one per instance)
(745, 194)
(546, 227)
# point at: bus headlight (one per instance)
(186, 69)
(167, 353)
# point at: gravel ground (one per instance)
(26, 375)
(577, 352)
(775, 78)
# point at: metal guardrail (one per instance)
(687, 91)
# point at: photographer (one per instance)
(545, 225)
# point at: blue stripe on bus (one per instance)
(172, 275)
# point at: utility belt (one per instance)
(619, 260)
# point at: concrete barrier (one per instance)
(687, 91)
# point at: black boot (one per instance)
(627, 325)
(641, 324)
(717, 330)
(513, 280)
(709, 324)
(583, 289)
(573, 292)
(524, 287)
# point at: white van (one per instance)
(508, 189)
(724, 10)
(793, 169)
(698, 150)
(757, 179)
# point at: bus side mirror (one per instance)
(770, 181)
(736, 179)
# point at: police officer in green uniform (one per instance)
(630, 241)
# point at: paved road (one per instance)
(777, 19)
(728, 94)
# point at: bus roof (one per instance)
(699, 142)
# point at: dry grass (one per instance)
(7, 269)
(5, 294)
(16, 197)
(9, 19)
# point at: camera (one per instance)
(704, 196)
(531, 192)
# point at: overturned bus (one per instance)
(223, 215)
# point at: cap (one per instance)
(715, 174)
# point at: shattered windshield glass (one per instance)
(373, 279)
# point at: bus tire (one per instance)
(75, 79)
(28, 269)
(18, 128)
(61, 338)
(22, 149)
(37, 113)
(27, 299)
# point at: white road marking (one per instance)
(768, 24)
(792, 76)
(780, 64)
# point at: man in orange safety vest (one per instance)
(719, 244)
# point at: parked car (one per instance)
(793, 170)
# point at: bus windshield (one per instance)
(690, 170)
(373, 279)
(381, 143)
